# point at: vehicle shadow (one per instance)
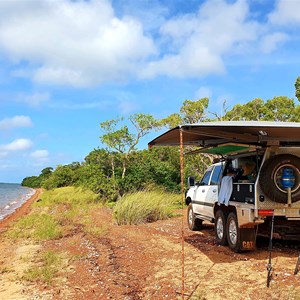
(205, 242)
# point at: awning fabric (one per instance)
(255, 133)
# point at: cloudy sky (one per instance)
(66, 66)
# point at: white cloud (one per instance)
(40, 157)
(17, 145)
(39, 154)
(15, 122)
(83, 43)
(203, 92)
(152, 17)
(35, 99)
(286, 13)
(270, 42)
(198, 42)
(72, 42)
(126, 107)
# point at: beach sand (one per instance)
(20, 211)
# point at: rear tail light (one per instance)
(265, 212)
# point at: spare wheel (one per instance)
(271, 177)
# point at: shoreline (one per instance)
(20, 211)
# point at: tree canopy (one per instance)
(120, 138)
(190, 112)
(121, 168)
(297, 87)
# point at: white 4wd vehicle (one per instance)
(257, 177)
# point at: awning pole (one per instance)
(182, 209)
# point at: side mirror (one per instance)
(190, 181)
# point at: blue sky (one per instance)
(66, 66)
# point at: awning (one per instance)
(256, 133)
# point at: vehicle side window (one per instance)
(216, 176)
(206, 177)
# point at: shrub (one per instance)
(145, 206)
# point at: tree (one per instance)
(223, 113)
(92, 177)
(102, 158)
(251, 111)
(190, 112)
(297, 87)
(32, 181)
(37, 181)
(64, 175)
(122, 140)
(279, 109)
(295, 117)
(99, 171)
(194, 111)
(47, 171)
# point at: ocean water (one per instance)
(12, 196)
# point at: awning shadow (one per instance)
(205, 242)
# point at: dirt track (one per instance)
(145, 262)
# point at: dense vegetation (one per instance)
(121, 168)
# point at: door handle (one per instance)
(214, 191)
(203, 191)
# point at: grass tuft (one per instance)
(145, 206)
(37, 227)
(48, 266)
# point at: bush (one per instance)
(145, 206)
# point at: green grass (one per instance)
(37, 227)
(90, 227)
(146, 206)
(55, 209)
(60, 210)
(67, 195)
(47, 266)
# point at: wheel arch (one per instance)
(188, 200)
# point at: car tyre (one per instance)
(233, 232)
(270, 177)
(220, 228)
(193, 222)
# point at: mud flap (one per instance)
(247, 239)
